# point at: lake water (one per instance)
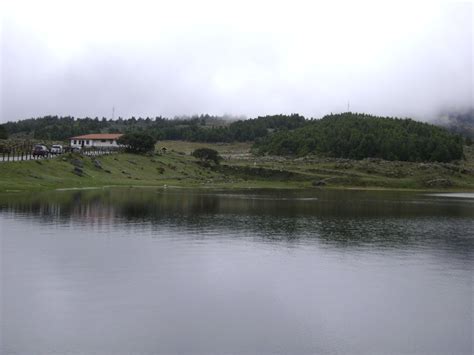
(148, 271)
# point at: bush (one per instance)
(138, 143)
(207, 155)
(3, 132)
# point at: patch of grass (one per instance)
(238, 170)
(224, 149)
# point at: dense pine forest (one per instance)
(204, 128)
(347, 135)
(358, 136)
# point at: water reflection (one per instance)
(334, 218)
(130, 204)
(148, 271)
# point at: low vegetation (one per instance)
(238, 169)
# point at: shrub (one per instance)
(3, 132)
(207, 155)
(138, 143)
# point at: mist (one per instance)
(408, 59)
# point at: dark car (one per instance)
(40, 150)
(72, 149)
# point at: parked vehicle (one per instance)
(57, 149)
(40, 150)
(72, 150)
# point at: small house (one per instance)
(99, 140)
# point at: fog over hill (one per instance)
(149, 58)
(461, 122)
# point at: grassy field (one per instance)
(239, 169)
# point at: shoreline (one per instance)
(434, 192)
(178, 169)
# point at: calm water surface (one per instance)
(145, 271)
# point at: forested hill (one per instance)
(346, 135)
(358, 136)
(204, 128)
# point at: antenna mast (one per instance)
(113, 112)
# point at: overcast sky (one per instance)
(250, 58)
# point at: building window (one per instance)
(103, 140)
(87, 142)
(75, 141)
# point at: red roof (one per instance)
(99, 136)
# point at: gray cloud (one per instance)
(150, 58)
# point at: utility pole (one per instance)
(348, 106)
(113, 112)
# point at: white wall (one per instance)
(88, 143)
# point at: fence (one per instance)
(17, 151)
(23, 151)
(98, 151)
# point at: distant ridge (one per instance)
(360, 136)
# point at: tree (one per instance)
(3, 132)
(441, 153)
(137, 142)
(207, 155)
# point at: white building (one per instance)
(101, 140)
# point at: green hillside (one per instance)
(238, 169)
(359, 136)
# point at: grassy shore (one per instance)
(239, 169)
